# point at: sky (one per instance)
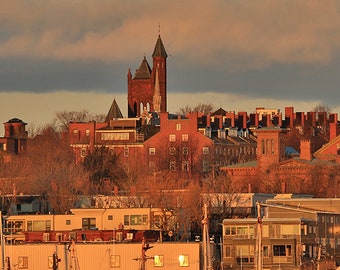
(69, 55)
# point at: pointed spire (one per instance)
(159, 50)
(144, 71)
(114, 112)
(157, 95)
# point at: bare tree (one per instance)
(322, 108)
(205, 108)
(48, 169)
(63, 118)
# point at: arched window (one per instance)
(141, 108)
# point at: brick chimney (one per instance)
(305, 150)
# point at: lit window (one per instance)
(115, 261)
(183, 260)
(158, 261)
(172, 137)
(178, 127)
(152, 151)
(185, 137)
(22, 262)
(83, 152)
(205, 150)
(87, 132)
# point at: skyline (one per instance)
(237, 55)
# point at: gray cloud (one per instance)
(270, 49)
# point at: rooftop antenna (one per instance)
(159, 29)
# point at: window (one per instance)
(38, 225)
(126, 151)
(83, 152)
(172, 150)
(152, 151)
(115, 261)
(126, 220)
(87, 132)
(152, 166)
(239, 230)
(135, 219)
(178, 126)
(172, 137)
(185, 151)
(185, 137)
(265, 251)
(206, 165)
(185, 166)
(157, 221)
(282, 250)
(245, 253)
(109, 217)
(158, 261)
(75, 132)
(14, 226)
(172, 166)
(183, 260)
(205, 150)
(228, 251)
(22, 262)
(88, 223)
(68, 222)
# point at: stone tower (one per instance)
(147, 88)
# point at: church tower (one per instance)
(147, 88)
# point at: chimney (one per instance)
(305, 150)
(283, 187)
(208, 120)
(332, 131)
(249, 188)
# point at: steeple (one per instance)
(157, 98)
(159, 50)
(144, 71)
(114, 112)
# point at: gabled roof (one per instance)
(114, 112)
(220, 111)
(144, 71)
(159, 50)
(326, 146)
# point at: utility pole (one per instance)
(206, 242)
(144, 258)
(259, 238)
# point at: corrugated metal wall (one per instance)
(99, 256)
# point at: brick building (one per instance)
(276, 171)
(15, 139)
(147, 88)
